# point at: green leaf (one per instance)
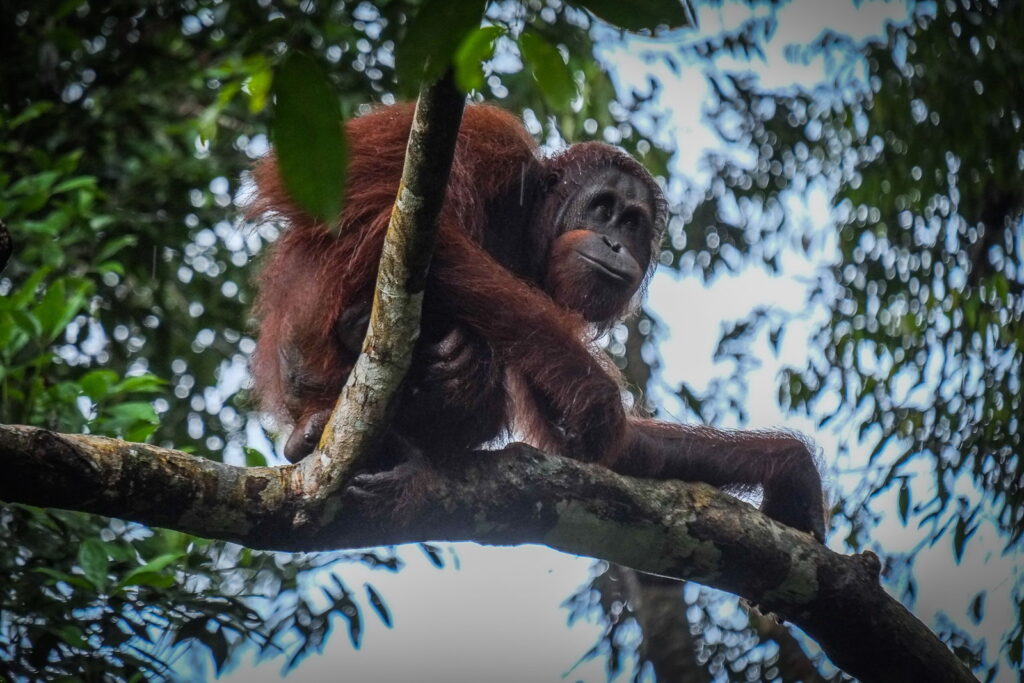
(152, 579)
(27, 323)
(473, 51)
(59, 305)
(98, 223)
(1016, 650)
(253, 458)
(960, 536)
(433, 554)
(977, 608)
(143, 575)
(96, 384)
(92, 558)
(970, 308)
(258, 86)
(903, 502)
(638, 15)
(308, 137)
(137, 411)
(140, 433)
(51, 226)
(16, 329)
(71, 579)
(114, 246)
(71, 635)
(76, 183)
(27, 291)
(141, 383)
(432, 38)
(208, 120)
(218, 644)
(193, 628)
(111, 267)
(377, 602)
(50, 308)
(549, 70)
(37, 183)
(34, 111)
(69, 162)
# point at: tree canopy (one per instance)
(125, 139)
(915, 139)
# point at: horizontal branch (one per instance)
(517, 495)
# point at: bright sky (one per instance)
(498, 617)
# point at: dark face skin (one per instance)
(604, 246)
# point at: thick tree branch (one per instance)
(361, 412)
(509, 497)
(518, 495)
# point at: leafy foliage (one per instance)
(125, 135)
(641, 15)
(476, 49)
(548, 69)
(915, 140)
(307, 137)
(714, 638)
(433, 38)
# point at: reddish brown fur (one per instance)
(342, 270)
(489, 317)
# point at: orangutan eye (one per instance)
(602, 206)
(631, 219)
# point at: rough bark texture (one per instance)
(362, 409)
(509, 497)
